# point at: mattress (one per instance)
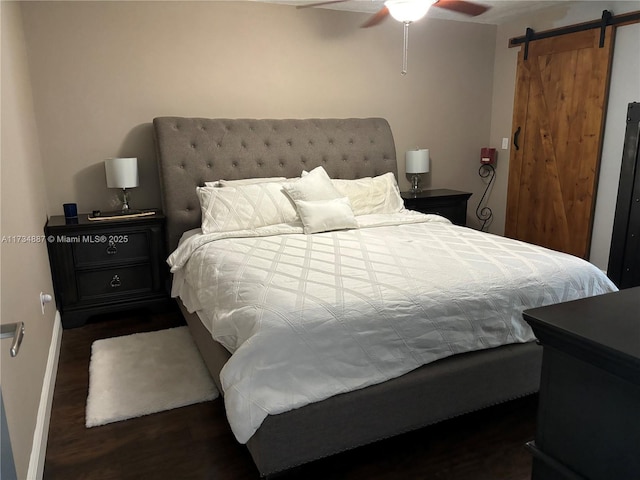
(307, 317)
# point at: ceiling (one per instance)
(501, 11)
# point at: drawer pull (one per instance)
(112, 249)
(115, 282)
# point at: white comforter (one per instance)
(311, 316)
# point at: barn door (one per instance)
(558, 120)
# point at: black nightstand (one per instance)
(106, 265)
(451, 204)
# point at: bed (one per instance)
(393, 397)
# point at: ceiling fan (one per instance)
(408, 11)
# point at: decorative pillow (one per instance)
(315, 185)
(371, 195)
(244, 207)
(244, 181)
(325, 215)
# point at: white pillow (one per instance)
(316, 185)
(325, 215)
(371, 195)
(243, 181)
(244, 207)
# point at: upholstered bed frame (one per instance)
(194, 150)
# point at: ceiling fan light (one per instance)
(408, 10)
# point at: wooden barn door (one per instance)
(558, 120)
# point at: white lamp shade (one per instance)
(408, 10)
(417, 161)
(121, 172)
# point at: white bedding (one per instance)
(311, 316)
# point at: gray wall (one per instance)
(102, 70)
(24, 269)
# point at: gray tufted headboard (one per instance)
(192, 151)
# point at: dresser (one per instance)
(106, 265)
(451, 204)
(589, 407)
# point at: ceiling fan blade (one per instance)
(319, 4)
(460, 6)
(381, 15)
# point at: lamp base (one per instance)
(415, 184)
(125, 202)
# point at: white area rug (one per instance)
(145, 373)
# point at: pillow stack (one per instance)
(320, 203)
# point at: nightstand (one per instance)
(106, 265)
(451, 204)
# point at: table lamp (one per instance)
(122, 173)
(417, 163)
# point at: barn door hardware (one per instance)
(516, 137)
(604, 23)
(606, 20)
(527, 38)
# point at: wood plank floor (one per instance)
(195, 442)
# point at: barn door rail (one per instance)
(606, 20)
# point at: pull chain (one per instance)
(405, 48)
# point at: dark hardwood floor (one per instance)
(195, 442)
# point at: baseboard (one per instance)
(41, 434)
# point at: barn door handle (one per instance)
(516, 137)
